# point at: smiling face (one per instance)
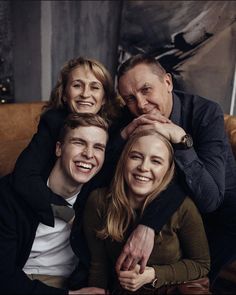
(84, 93)
(81, 155)
(145, 168)
(144, 92)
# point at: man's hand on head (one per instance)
(143, 120)
(137, 249)
(171, 131)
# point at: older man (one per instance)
(206, 168)
(37, 258)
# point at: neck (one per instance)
(136, 202)
(61, 184)
(169, 110)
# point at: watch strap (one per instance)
(185, 143)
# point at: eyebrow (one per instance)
(136, 152)
(76, 139)
(72, 139)
(158, 157)
(153, 156)
(101, 145)
(127, 95)
(145, 84)
(82, 81)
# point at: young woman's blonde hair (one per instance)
(57, 97)
(119, 213)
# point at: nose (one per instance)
(141, 103)
(143, 166)
(86, 91)
(88, 152)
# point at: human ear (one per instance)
(168, 81)
(58, 149)
(64, 99)
(104, 100)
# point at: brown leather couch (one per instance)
(18, 122)
(230, 126)
(229, 272)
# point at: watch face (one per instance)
(188, 141)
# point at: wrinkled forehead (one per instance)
(136, 77)
(91, 69)
(83, 70)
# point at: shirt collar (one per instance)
(175, 115)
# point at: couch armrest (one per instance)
(18, 123)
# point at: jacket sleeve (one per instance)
(195, 261)
(38, 158)
(203, 166)
(13, 280)
(98, 272)
(160, 210)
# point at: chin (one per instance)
(141, 194)
(83, 179)
(84, 110)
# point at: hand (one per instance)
(88, 290)
(140, 121)
(132, 280)
(171, 131)
(137, 249)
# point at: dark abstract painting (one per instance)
(194, 40)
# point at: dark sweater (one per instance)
(180, 253)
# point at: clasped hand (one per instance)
(161, 124)
(137, 249)
(132, 280)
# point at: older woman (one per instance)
(84, 86)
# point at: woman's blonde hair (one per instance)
(57, 97)
(119, 213)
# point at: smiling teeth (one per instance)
(84, 165)
(84, 103)
(141, 178)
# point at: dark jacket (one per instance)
(207, 171)
(18, 225)
(19, 220)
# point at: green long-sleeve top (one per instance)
(180, 252)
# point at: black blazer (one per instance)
(18, 225)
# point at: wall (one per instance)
(197, 39)
(87, 28)
(45, 34)
(26, 40)
(194, 40)
(6, 58)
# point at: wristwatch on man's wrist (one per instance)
(154, 282)
(185, 143)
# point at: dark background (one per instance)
(195, 40)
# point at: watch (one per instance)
(185, 143)
(154, 282)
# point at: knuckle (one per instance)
(126, 249)
(132, 281)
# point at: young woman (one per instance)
(83, 86)
(180, 251)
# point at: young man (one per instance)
(37, 258)
(205, 164)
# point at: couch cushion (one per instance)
(18, 123)
(230, 126)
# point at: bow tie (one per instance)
(63, 212)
